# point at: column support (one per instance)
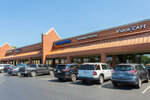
(103, 58)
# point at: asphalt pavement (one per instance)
(49, 88)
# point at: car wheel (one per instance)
(19, 74)
(147, 80)
(101, 79)
(139, 83)
(33, 74)
(2, 71)
(115, 84)
(73, 77)
(51, 73)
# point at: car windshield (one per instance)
(33, 66)
(22, 65)
(15, 67)
(61, 67)
(6, 66)
(87, 67)
(147, 67)
(123, 68)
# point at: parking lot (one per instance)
(47, 87)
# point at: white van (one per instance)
(94, 72)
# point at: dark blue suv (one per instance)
(132, 74)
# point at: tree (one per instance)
(14, 47)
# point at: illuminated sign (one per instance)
(9, 51)
(18, 50)
(131, 29)
(86, 37)
(62, 42)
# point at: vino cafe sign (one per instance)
(131, 28)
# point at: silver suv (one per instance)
(94, 72)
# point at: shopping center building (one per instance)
(123, 44)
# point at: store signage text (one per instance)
(131, 29)
(63, 42)
(9, 51)
(86, 37)
(18, 50)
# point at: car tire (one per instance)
(147, 80)
(2, 71)
(19, 74)
(139, 83)
(33, 74)
(51, 72)
(73, 77)
(101, 79)
(115, 84)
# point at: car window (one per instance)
(97, 67)
(141, 67)
(77, 66)
(72, 66)
(40, 66)
(45, 66)
(87, 67)
(104, 67)
(123, 68)
(33, 66)
(61, 67)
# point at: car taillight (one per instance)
(133, 71)
(25, 69)
(8, 68)
(94, 73)
(112, 70)
(65, 70)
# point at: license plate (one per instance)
(58, 71)
(121, 75)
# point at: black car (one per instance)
(133, 74)
(35, 69)
(147, 67)
(66, 71)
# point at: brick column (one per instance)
(29, 60)
(113, 60)
(59, 60)
(81, 60)
(68, 59)
(103, 58)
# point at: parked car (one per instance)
(14, 70)
(35, 69)
(147, 67)
(94, 72)
(66, 71)
(6, 67)
(132, 74)
(3, 67)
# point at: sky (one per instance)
(23, 21)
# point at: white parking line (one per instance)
(146, 89)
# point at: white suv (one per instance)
(94, 72)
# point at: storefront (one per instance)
(124, 44)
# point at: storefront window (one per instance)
(38, 61)
(49, 61)
(63, 61)
(56, 61)
(133, 58)
(90, 59)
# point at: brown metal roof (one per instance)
(116, 42)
